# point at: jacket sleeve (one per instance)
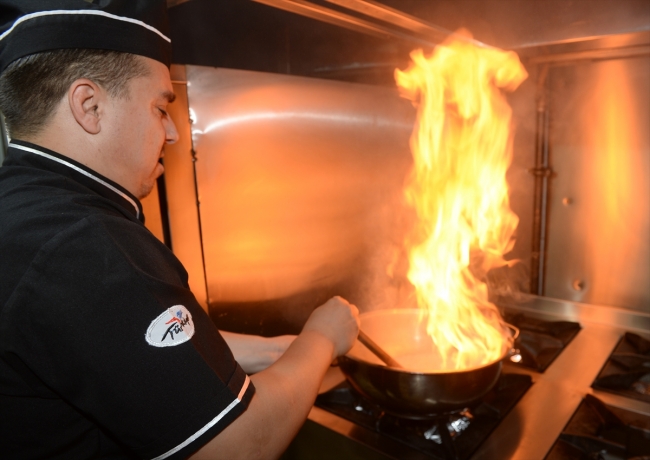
(108, 323)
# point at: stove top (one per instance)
(539, 341)
(449, 436)
(597, 431)
(627, 371)
(537, 420)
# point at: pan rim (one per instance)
(509, 349)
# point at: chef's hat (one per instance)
(130, 26)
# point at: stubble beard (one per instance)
(145, 189)
(147, 186)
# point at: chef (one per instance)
(104, 351)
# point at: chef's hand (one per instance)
(338, 321)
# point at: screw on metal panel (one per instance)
(578, 285)
(566, 201)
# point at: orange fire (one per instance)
(461, 149)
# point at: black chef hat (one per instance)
(131, 26)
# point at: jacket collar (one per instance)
(34, 155)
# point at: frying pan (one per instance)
(410, 394)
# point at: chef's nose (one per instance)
(171, 134)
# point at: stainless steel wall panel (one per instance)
(599, 211)
(297, 179)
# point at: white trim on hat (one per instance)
(91, 12)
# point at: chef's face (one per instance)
(142, 127)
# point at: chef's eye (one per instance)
(163, 111)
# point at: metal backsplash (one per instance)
(299, 187)
(599, 205)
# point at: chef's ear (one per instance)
(87, 100)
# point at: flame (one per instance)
(461, 147)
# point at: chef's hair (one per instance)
(31, 87)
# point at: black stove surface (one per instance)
(539, 341)
(627, 371)
(449, 436)
(598, 431)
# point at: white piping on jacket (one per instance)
(210, 424)
(78, 169)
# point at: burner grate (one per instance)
(449, 436)
(627, 372)
(539, 341)
(600, 431)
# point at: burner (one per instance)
(540, 342)
(627, 372)
(448, 436)
(598, 431)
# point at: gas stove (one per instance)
(570, 356)
(455, 435)
(597, 430)
(627, 371)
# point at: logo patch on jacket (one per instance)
(173, 327)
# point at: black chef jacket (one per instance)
(104, 351)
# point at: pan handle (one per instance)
(514, 354)
(378, 351)
(514, 330)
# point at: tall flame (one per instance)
(461, 148)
